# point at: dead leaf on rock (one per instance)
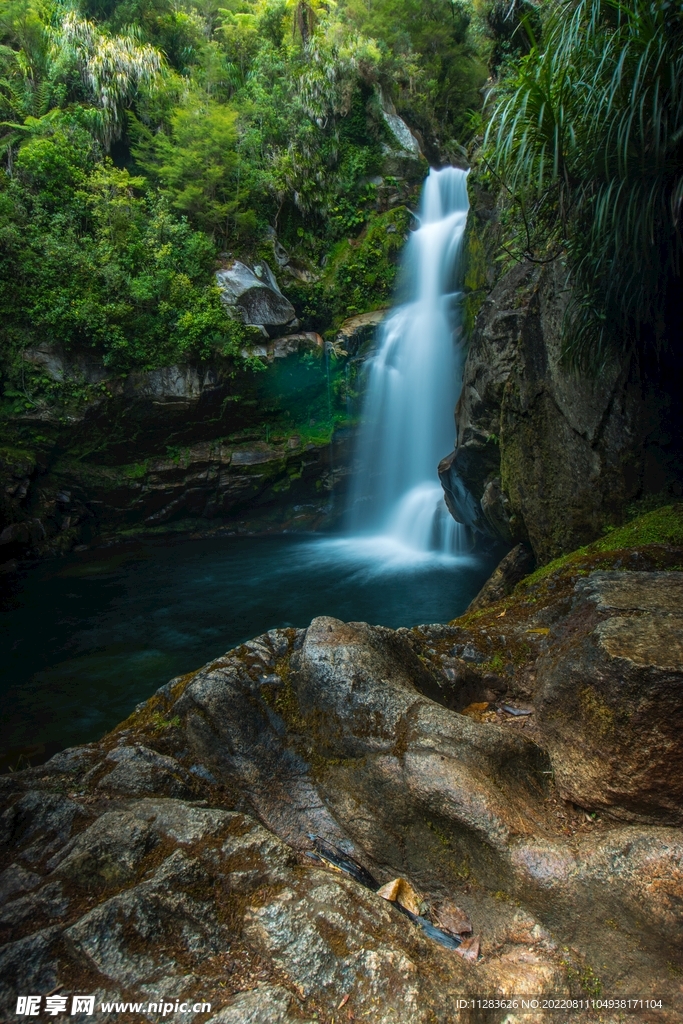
(475, 710)
(452, 919)
(480, 712)
(469, 948)
(400, 891)
(344, 1001)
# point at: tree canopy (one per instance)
(139, 139)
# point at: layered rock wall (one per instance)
(190, 447)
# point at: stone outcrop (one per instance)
(180, 447)
(236, 486)
(510, 571)
(355, 332)
(545, 455)
(174, 859)
(610, 695)
(403, 154)
(280, 348)
(255, 297)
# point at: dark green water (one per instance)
(84, 639)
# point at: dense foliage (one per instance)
(587, 135)
(141, 138)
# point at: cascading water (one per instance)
(413, 384)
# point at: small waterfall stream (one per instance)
(413, 383)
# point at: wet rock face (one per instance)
(610, 696)
(179, 861)
(544, 455)
(223, 470)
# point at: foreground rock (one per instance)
(174, 858)
(610, 695)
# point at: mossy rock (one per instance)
(662, 528)
(362, 272)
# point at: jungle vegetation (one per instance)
(140, 139)
(585, 131)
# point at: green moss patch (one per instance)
(510, 634)
(362, 272)
(663, 527)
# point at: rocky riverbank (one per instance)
(519, 766)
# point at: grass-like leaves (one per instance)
(588, 133)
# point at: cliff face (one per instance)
(193, 448)
(544, 455)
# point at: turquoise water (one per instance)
(84, 638)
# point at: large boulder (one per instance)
(610, 696)
(345, 733)
(402, 156)
(255, 296)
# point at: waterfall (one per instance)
(413, 384)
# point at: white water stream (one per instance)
(413, 384)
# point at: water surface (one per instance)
(84, 638)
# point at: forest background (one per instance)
(143, 140)
(140, 139)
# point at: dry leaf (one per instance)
(400, 891)
(469, 948)
(501, 614)
(452, 919)
(344, 1001)
(472, 710)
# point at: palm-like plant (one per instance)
(305, 14)
(113, 68)
(589, 134)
